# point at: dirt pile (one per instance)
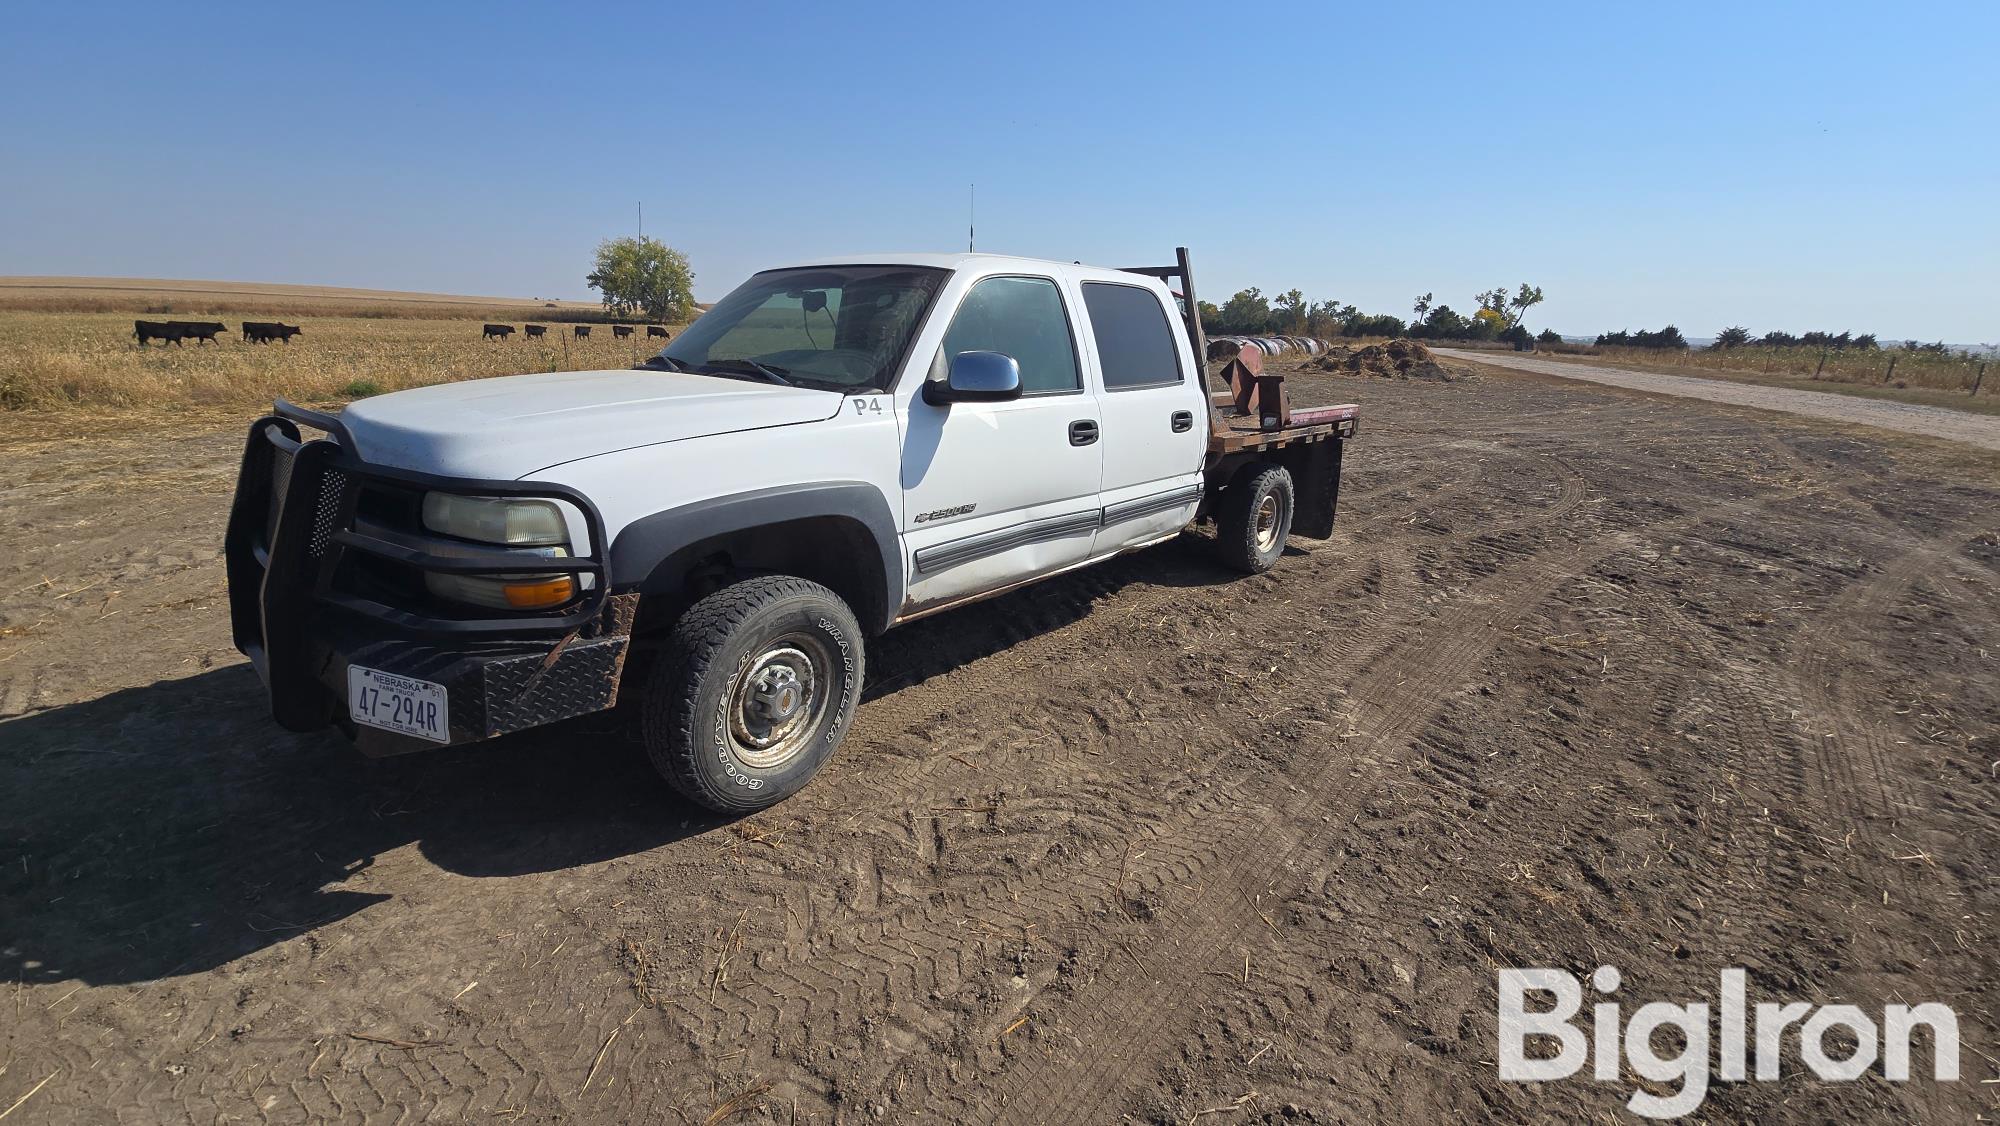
(1398, 359)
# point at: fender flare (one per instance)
(640, 550)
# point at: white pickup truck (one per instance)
(830, 451)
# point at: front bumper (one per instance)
(291, 528)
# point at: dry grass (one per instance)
(1898, 391)
(66, 361)
(265, 300)
(1929, 370)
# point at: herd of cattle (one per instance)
(502, 332)
(1226, 347)
(263, 332)
(205, 332)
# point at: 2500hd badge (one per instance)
(944, 513)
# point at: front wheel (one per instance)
(755, 690)
(1254, 518)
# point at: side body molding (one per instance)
(652, 553)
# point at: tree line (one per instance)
(1736, 336)
(1498, 317)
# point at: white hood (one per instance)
(513, 426)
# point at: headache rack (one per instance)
(292, 528)
(1253, 413)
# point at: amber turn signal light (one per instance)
(541, 593)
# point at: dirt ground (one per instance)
(1586, 677)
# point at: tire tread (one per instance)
(670, 723)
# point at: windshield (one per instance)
(841, 328)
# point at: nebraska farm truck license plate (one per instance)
(399, 703)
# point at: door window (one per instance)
(1022, 318)
(1135, 341)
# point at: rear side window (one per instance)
(1022, 318)
(1135, 341)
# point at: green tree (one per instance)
(1246, 313)
(1527, 297)
(643, 275)
(1323, 319)
(1422, 307)
(1291, 310)
(1441, 323)
(1735, 336)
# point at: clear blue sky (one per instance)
(1786, 166)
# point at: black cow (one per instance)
(263, 332)
(161, 331)
(537, 330)
(621, 331)
(656, 330)
(582, 331)
(202, 331)
(496, 332)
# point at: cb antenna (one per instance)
(971, 213)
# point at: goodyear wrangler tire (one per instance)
(1254, 518)
(756, 688)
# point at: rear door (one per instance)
(1155, 432)
(995, 494)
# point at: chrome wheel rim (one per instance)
(777, 702)
(1267, 522)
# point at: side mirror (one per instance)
(976, 377)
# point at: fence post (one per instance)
(1822, 363)
(1981, 378)
(1891, 373)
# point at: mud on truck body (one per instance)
(830, 451)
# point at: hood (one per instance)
(512, 426)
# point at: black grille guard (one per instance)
(292, 522)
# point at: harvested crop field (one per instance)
(76, 360)
(1585, 677)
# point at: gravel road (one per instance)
(1911, 418)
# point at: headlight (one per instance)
(496, 519)
(535, 525)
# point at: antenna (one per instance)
(971, 213)
(642, 220)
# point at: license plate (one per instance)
(401, 704)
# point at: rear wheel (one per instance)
(755, 689)
(1254, 518)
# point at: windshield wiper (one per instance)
(774, 374)
(661, 363)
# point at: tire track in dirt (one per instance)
(1105, 614)
(1122, 1023)
(1176, 852)
(1169, 854)
(1852, 750)
(1398, 696)
(1021, 748)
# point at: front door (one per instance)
(998, 493)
